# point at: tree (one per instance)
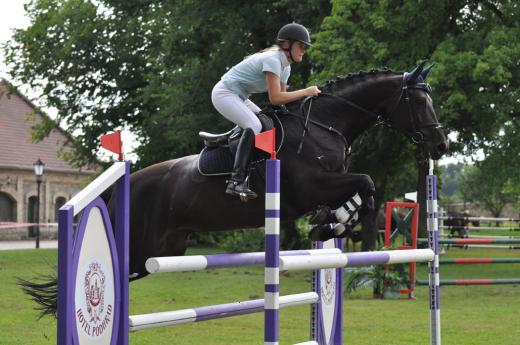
(146, 65)
(484, 185)
(475, 45)
(450, 174)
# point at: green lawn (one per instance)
(470, 315)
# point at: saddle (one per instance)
(218, 154)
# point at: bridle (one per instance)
(414, 134)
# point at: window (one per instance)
(31, 209)
(7, 208)
(60, 201)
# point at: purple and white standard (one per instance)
(433, 266)
(272, 252)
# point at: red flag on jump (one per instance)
(265, 141)
(112, 142)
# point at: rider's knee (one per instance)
(256, 126)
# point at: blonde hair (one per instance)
(274, 47)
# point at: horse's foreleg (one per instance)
(340, 221)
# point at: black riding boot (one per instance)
(236, 185)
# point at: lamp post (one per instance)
(38, 171)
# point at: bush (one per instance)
(240, 241)
(378, 276)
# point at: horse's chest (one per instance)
(332, 163)
(331, 158)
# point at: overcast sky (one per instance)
(12, 16)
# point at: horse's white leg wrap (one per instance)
(348, 212)
(339, 229)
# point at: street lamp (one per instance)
(38, 171)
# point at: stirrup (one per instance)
(241, 190)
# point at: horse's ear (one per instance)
(424, 73)
(411, 77)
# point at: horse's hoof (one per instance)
(322, 215)
(321, 233)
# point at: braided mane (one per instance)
(351, 76)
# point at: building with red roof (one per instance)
(18, 153)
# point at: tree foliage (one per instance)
(487, 187)
(475, 45)
(150, 66)
(146, 65)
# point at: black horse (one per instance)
(458, 223)
(170, 200)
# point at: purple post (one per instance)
(433, 242)
(272, 252)
(122, 235)
(65, 279)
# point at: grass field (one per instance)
(470, 315)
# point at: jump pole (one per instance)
(478, 261)
(464, 241)
(481, 219)
(475, 281)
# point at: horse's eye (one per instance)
(420, 103)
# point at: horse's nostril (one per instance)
(442, 148)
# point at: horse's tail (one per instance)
(44, 292)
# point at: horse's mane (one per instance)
(355, 77)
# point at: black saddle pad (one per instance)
(214, 161)
(218, 160)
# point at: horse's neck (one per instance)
(372, 94)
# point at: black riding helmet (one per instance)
(293, 32)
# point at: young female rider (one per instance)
(268, 71)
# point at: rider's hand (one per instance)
(312, 91)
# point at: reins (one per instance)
(307, 119)
(415, 135)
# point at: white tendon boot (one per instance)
(347, 213)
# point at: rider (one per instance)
(268, 71)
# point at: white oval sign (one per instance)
(328, 295)
(95, 289)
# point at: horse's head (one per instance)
(414, 114)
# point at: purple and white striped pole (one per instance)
(272, 252)
(203, 262)
(433, 266)
(176, 317)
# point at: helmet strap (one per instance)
(291, 42)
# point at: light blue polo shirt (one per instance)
(248, 76)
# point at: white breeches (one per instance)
(236, 110)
